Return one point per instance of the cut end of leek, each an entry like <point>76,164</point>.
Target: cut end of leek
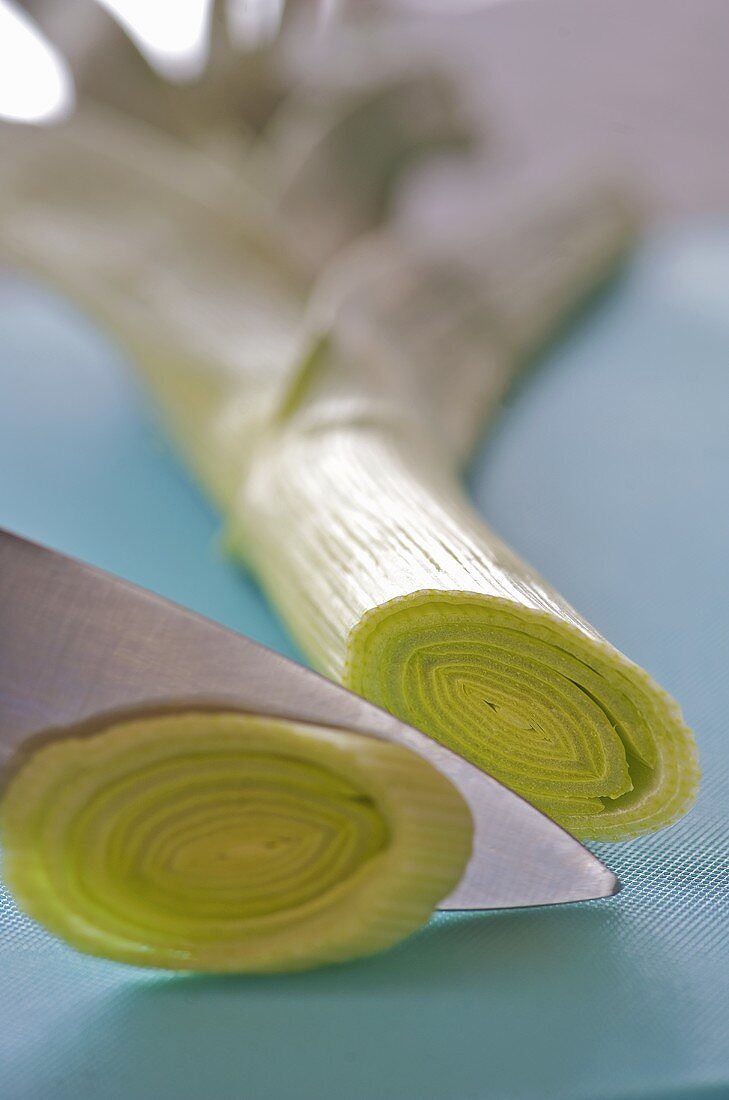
<point>564,720</point>
<point>227,842</point>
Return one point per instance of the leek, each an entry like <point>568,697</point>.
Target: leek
<point>224,842</point>
<point>332,442</point>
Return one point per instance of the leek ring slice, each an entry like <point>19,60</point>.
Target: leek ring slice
<point>230,842</point>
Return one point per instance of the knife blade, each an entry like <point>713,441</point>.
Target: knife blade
<point>76,642</point>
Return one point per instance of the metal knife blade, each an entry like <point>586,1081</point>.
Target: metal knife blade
<point>76,642</point>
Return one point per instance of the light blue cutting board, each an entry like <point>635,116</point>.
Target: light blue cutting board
<point>610,471</point>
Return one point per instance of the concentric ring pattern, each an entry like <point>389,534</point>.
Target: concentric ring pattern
<point>227,842</point>
<point>565,721</point>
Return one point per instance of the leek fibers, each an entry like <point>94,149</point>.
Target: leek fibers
<point>332,441</point>
<point>227,842</point>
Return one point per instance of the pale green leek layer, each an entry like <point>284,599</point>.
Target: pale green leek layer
<point>563,720</point>
<point>225,842</point>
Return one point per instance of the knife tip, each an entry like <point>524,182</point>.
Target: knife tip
<point>602,882</point>
<point>616,887</point>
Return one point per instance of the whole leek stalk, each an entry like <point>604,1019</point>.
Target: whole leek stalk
<point>332,444</point>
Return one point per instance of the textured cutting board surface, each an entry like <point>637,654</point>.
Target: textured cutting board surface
<point>609,470</point>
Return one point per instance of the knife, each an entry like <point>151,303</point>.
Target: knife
<point>76,643</point>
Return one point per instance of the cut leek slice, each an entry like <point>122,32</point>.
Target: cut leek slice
<point>226,842</point>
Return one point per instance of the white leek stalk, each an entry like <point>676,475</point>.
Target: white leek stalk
<point>333,448</point>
